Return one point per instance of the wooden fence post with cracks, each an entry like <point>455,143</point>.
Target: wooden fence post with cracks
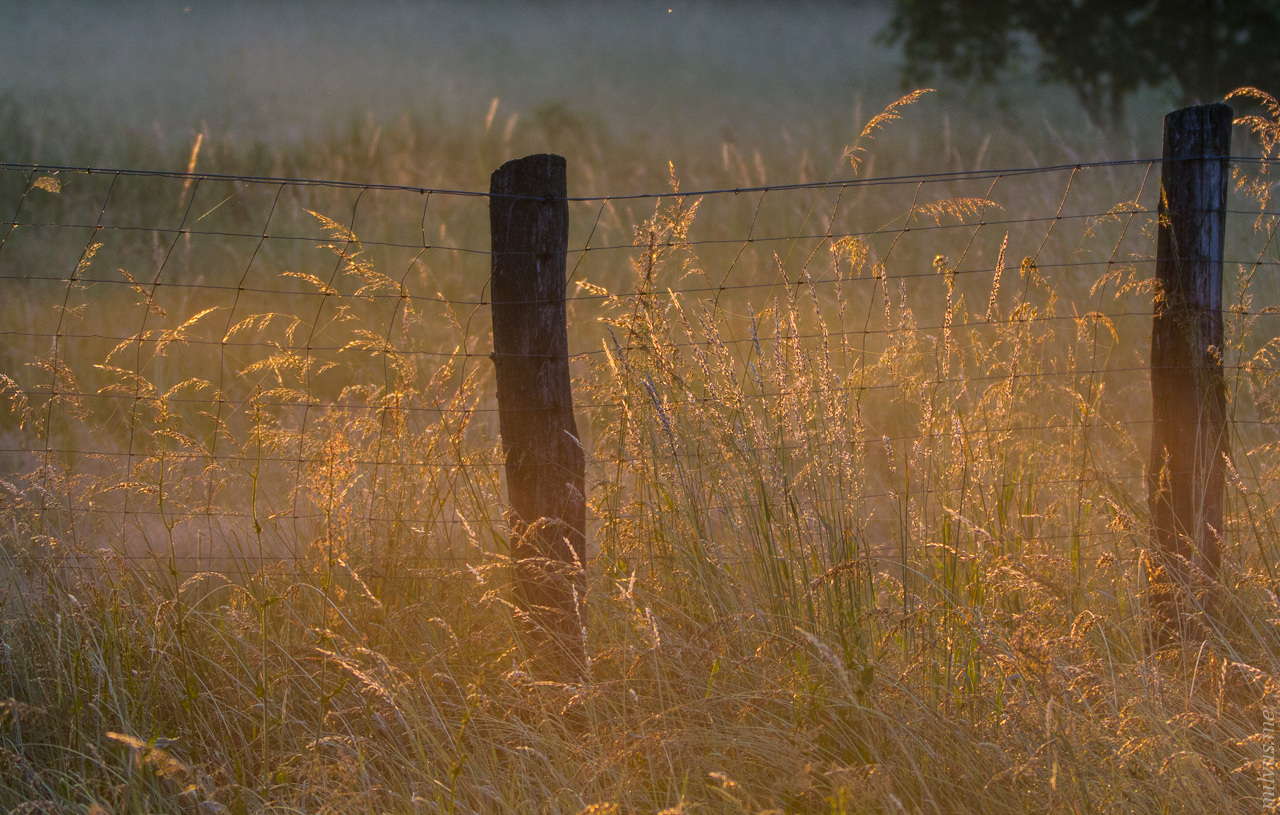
<point>545,462</point>
<point>1186,478</point>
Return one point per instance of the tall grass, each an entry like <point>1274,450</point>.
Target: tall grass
<point>868,517</point>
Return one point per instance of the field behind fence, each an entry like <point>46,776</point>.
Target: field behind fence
<point>887,413</point>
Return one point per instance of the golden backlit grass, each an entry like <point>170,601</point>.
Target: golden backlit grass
<point>867,535</point>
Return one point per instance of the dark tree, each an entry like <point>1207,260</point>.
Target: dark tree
<point>1103,49</point>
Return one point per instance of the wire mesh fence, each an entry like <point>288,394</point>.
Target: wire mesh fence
<point>231,374</point>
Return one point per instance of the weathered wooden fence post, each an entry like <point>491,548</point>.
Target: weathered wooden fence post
<point>1188,394</point>
<point>545,463</point>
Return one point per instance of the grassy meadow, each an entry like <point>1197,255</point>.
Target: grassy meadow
<point>867,509</point>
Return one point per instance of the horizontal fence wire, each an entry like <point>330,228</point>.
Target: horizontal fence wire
<point>198,366</point>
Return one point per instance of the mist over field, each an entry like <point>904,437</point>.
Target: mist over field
<point>129,83</point>
<point>286,72</point>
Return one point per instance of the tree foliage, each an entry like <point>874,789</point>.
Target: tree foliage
<point>1103,49</point>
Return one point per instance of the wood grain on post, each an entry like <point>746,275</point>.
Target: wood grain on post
<point>1188,393</point>
<point>545,463</point>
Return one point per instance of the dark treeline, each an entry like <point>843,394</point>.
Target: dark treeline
<point>1104,50</point>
